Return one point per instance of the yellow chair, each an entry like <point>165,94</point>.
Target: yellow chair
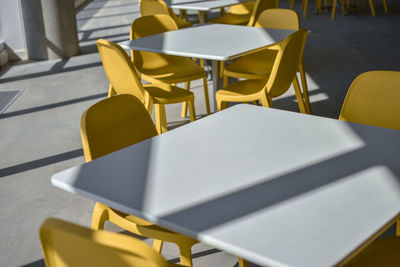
<point>373,98</point>
<point>245,13</point>
<point>166,69</point>
<point>237,14</point>
<point>152,7</point>
<point>66,244</point>
<point>370,3</point>
<point>261,5</point>
<point>304,6</point>
<point>281,75</point>
<point>382,252</point>
<point>124,80</point>
<point>257,65</point>
<point>110,125</point>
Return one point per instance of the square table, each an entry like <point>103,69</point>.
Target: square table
<point>203,6</point>
<point>277,188</point>
<point>216,42</point>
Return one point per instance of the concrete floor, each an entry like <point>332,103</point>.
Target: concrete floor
<point>40,136</point>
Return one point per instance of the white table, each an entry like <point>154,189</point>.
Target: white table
<point>274,187</point>
<point>216,42</point>
<point>202,6</point>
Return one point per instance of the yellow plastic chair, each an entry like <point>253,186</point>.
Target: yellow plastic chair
<point>152,7</point>
<point>373,98</point>
<point>124,80</point>
<point>370,3</point>
<point>166,69</point>
<point>382,252</point>
<point>304,6</point>
<point>258,65</point>
<point>237,14</point>
<point>281,75</point>
<point>245,13</point>
<point>110,125</point>
<point>261,5</point>
<point>66,244</point>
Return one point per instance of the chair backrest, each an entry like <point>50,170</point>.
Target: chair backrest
<point>151,7</point>
<point>259,7</point>
<point>373,98</point>
<point>67,244</point>
<point>119,69</point>
<point>286,63</point>
<point>278,18</point>
<point>114,123</point>
<point>150,25</point>
<point>242,8</point>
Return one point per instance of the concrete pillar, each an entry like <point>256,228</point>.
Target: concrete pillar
<point>50,28</point>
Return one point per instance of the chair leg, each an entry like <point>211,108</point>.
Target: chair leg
<point>334,9</point>
<point>342,4</point>
<point>157,245</point>
<point>161,122</point>
<point>305,8</point>
<point>319,6</point>
<point>99,217</point>
<point>371,6</point>
<point>192,110</point>
<point>207,98</point>
<point>200,15</point>
<point>202,63</point>
<point>225,80</point>
<point>221,71</point>
<point>266,101</point>
<point>385,6</point>
<point>185,255</point>
<point>305,87</point>
<point>148,102</point>
<point>111,91</point>
<point>299,96</point>
<point>184,104</point>
<point>292,4</point>
<point>221,105</point>
<point>243,263</point>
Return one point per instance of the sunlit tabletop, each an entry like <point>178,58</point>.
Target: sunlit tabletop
<point>275,187</point>
<point>204,5</point>
<point>209,41</point>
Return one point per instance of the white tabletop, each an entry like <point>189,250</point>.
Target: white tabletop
<point>277,188</point>
<point>209,41</point>
<point>204,5</point>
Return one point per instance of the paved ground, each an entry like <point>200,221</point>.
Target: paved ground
<point>39,132</point>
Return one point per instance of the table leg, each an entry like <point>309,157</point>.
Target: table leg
<point>216,82</point>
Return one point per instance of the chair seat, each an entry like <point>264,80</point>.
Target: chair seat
<point>171,70</point>
<point>168,94</point>
<point>382,252</point>
<point>254,66</point>
<point>241,91</point>
<point>146,228</point>
<point>182,23</point>
<point>235,19</point>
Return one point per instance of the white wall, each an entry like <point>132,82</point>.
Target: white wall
<point>11,29</point>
